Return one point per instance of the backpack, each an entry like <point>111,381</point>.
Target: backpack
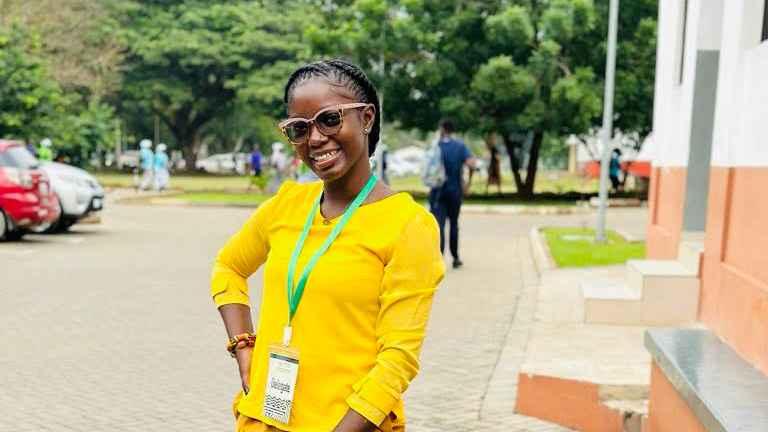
<point>434,169</point>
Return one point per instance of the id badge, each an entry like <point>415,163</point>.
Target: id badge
<point>281,382</point>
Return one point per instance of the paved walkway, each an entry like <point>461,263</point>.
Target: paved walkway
<point>111,327</point>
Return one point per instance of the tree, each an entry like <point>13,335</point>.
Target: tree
<point>522,68</point>
<point>77,39</point>
<point>189,61</point>
<point>29,99</point>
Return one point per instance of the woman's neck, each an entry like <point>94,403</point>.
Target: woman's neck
<point>345,189</point>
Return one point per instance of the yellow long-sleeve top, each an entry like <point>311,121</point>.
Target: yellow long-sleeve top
<point>361,322</point>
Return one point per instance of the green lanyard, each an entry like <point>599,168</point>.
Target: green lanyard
<point>294,296</point>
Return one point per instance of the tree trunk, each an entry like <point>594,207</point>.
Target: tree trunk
<point>190,145</point>
<point>533,165</point>
<point>514,162</point>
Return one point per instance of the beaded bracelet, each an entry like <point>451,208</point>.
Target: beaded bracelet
<point>240,341</point>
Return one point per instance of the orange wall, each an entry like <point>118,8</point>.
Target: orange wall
<point>667,412</point>
<point>734,297</point>
<point>666,201</point>
<point>569,403</point>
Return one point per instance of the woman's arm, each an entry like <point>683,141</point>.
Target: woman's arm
<point>237,320</point>
<point>240,257</point>
<point>410,279</point>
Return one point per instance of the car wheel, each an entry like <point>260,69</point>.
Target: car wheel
<point>65,224</point>
<point>15,235</point>
<point>3,226</point>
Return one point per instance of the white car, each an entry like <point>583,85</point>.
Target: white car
<point>79,193</point>
<point>224,163</point>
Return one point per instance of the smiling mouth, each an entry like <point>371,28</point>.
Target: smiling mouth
<point>322,160</point>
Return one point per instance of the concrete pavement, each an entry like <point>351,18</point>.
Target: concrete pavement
<point>111,327</point>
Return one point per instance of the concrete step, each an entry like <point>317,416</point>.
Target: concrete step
<point>655,293</point>
<point>690,253</point>
<point>585,377</point>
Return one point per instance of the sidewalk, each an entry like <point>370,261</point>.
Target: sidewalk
<point>477,336</point>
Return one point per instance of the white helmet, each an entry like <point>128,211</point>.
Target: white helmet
<point>46,142</point>
<point>161,147</point>
<point>145,143</point>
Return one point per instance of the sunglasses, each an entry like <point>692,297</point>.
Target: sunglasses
<point>328,122</point>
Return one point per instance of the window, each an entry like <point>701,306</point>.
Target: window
<point>765,22</point>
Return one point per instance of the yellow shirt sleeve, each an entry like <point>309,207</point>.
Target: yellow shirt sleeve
<point>240,257</point>
<point>410,279</point>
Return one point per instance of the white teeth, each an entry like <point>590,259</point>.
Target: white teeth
<point>324,156</point>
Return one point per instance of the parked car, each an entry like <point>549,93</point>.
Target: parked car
<point>406,161</point>
<point>224,163</point>
<point>79,194</point>
<point>27,200</point>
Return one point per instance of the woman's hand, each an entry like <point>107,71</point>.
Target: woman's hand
<point>243,357</point>
<point>237,320</point>
<point>354,422</point>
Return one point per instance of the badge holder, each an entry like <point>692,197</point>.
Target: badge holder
<point>281,379</point>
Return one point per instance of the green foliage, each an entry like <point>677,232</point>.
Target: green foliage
<point>29,99</point>
<point>511,67</point>
<point>191,61</point>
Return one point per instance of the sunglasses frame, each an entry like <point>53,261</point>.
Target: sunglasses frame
<point>283,125</point>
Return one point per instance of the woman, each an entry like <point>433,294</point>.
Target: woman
<point>364,295</point>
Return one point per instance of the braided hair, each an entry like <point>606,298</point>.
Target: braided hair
<point>345,74</point>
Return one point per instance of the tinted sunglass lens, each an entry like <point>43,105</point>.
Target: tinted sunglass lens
<point>329,121</point>
<point>297,131</point>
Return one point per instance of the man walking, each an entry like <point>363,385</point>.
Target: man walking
<point>445,200</point>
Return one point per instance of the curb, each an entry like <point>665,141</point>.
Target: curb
<point>541,256</point>
<point>167,199</point>
<point>507,209</point>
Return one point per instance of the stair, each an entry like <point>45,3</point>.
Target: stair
<point>655,293</point>
<point>690,253</point>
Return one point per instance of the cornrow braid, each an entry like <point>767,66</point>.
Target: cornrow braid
<point>342,73</point>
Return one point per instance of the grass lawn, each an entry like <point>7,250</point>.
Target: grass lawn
<point>225,198</point>
<point>223,189</point>
<point>187,183</point>
<point>575,247</point>
<point>546,181</point>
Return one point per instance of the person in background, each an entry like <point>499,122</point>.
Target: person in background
<point>494,166</point>
<point>445,200</point>
<point>44,152</point>
<point>280,165</point>
<point>256,161</point>
<point>254,168</point>
<point>147,164</point>
<point>162,176</point>
<point>614,169</point>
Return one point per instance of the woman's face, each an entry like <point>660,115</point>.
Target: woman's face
<point>331,157</point>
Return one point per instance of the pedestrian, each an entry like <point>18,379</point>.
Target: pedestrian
<point>445,198</point>
<point>147,164</point>
<point>256,161</point>
<point>340,356</point>
<point>44,152</point>
<point>162,175</point>
<point>614,169</point>
<point>494,165</point>
<point>255,169</point>
<point>280,165</point>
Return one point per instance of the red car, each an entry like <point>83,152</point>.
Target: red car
<point>26,198</point>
